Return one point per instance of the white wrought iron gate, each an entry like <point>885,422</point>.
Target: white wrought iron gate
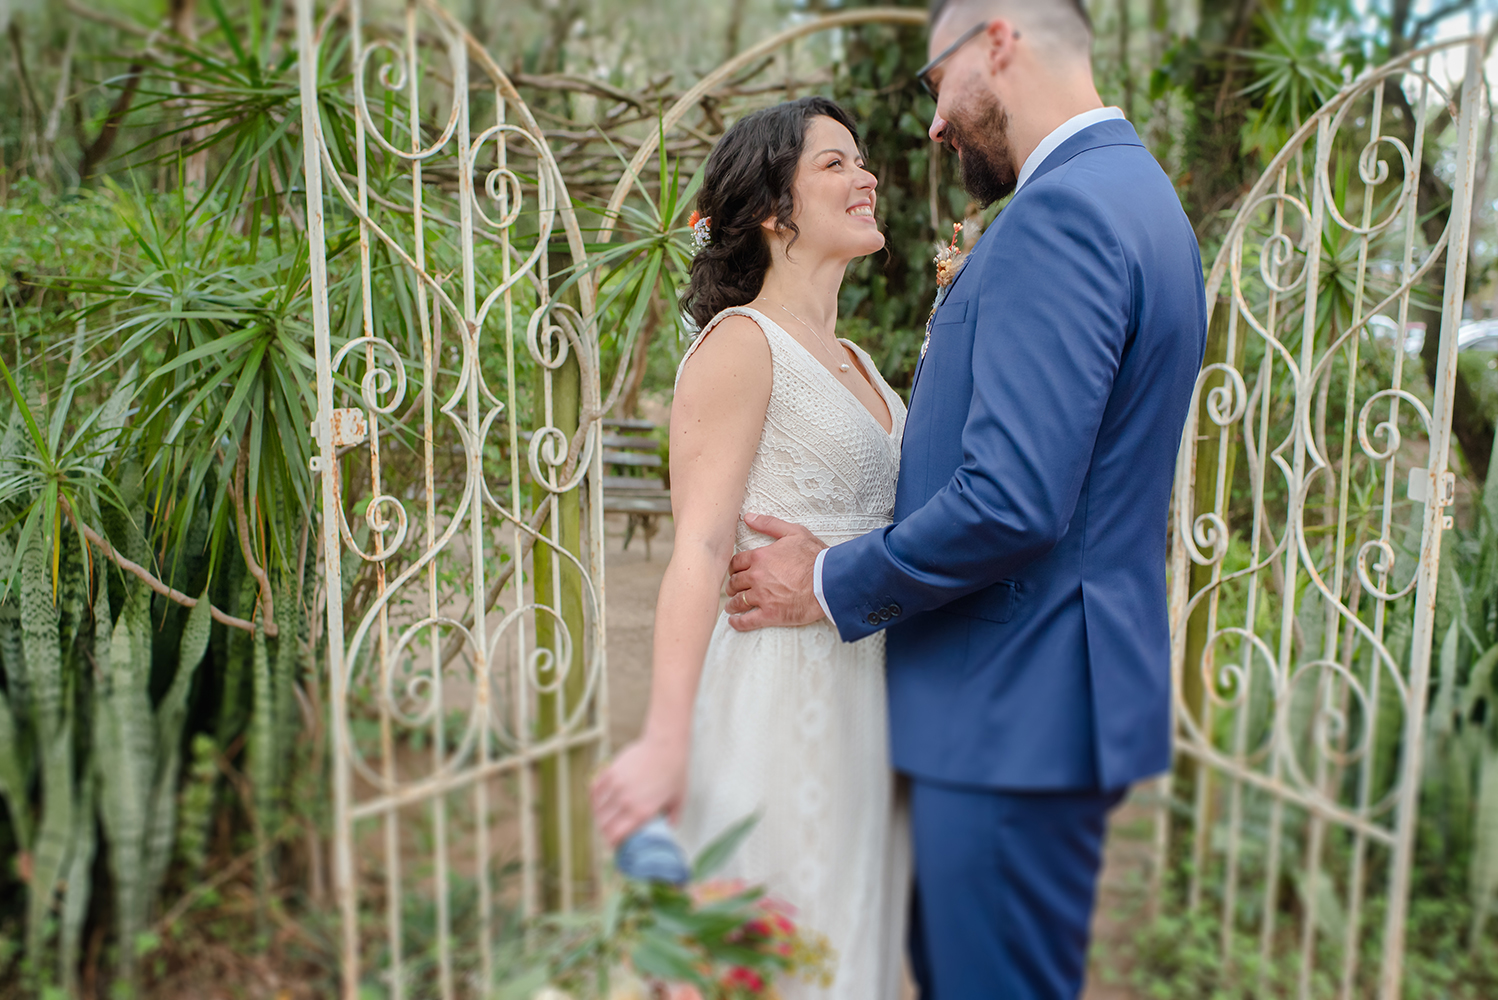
<point>463,406</point>
<point>1311,495</point>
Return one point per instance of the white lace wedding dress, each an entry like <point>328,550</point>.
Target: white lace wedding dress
<point>790,722</point>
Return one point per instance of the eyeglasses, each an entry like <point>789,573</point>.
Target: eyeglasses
<point>924,76</point>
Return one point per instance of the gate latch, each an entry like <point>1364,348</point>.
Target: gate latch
<point>1448,489</point>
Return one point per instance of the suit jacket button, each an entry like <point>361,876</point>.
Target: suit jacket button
<point>884,614</point>
<point>873,618</point>
<point>894,609</point>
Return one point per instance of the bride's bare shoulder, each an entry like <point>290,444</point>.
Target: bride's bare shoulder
<point>733,355</point>
<point>723,391</point>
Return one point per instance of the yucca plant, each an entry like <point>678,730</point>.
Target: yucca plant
<point>1292,76</point>
<point>165,470</point>
<point>81,741</point>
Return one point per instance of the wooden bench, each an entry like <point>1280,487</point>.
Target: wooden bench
<point>630,445</point>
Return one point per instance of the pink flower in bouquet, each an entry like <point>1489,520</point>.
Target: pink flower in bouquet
<point>739,978</point>
<point>717,890</point>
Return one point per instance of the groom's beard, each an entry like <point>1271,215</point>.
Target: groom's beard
<point>981,132</point>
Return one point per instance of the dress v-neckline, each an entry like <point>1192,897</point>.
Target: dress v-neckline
<point>863,362</point>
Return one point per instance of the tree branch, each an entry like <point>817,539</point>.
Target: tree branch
<point>577,84</point>
<point>1424,24</point>
<point>137,570</point>
<point>117,23</point>
<point>60,95</point>
<point>242,522</point>
<point>98,150</point>
<point>31,107</point>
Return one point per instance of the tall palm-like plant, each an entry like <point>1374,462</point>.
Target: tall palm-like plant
<point>1292,77</point>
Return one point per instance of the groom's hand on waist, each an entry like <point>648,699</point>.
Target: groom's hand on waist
<point>772,586</point>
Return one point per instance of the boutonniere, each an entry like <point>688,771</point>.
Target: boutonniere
<point>948,260</point>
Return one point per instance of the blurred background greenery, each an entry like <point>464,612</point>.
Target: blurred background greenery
<point>162,772</point>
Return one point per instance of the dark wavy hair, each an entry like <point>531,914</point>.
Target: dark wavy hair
<point>748,179</point>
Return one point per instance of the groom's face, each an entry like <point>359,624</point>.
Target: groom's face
<point>970,120</point>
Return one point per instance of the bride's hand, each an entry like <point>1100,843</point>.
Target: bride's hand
<point>647,778</point>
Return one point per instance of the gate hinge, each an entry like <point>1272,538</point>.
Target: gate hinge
<point>349,427</point>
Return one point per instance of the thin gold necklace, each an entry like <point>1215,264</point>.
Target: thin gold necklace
<point>841,365</point>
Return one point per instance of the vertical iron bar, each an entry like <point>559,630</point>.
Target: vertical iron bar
<point>1294,528</point>
<point>1262,387</point>
<point>1384,569</point>
<point>388,769</point>
<point>1392,970</point>
<point>343,868</point>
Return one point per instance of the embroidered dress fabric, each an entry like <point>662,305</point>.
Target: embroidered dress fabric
<point>790,723</point>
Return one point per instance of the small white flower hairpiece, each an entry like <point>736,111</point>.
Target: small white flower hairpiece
<point>701,231</point>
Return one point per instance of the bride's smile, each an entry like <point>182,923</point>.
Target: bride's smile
<point>834,197</point>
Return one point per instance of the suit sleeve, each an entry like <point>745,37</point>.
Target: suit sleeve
<point>1054,308</point>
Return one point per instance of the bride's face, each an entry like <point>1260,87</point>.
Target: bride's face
<point>834,195</point>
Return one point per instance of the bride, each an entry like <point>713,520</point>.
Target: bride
<point>773,414</point>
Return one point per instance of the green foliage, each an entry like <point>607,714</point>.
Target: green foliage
<point>1180,957</point>
<point>887,298</point>
<point>98,678</point>
<point>1292,77</point>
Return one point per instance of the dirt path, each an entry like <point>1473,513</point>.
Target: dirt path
<point>632,585</point>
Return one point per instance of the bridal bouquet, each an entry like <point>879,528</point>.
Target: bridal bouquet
<point>712,939</point>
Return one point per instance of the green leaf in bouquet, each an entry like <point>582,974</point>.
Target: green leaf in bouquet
<point>715,855</point>
<point>708,924</point>
<point>742,903</point>
<point>749,958</point>
<point>662,956</point>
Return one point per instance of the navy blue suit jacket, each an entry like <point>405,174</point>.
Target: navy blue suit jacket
<point>1023,580</point>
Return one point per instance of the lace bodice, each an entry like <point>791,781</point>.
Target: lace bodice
<point>824,461</point>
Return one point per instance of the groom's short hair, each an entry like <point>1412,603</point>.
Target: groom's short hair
<point>1063,23</point>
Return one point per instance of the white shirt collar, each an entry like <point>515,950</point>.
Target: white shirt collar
<point>1065,131</point>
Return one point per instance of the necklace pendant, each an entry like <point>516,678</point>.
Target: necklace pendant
<point>846,368</point>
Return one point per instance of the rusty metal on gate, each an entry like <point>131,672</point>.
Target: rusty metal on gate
<point>1312,491</point>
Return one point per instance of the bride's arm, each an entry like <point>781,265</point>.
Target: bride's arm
<point>716,421</point>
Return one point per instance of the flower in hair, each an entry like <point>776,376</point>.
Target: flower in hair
<point>701,230</point>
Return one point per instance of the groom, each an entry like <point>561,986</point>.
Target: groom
<point>1022,584</point>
